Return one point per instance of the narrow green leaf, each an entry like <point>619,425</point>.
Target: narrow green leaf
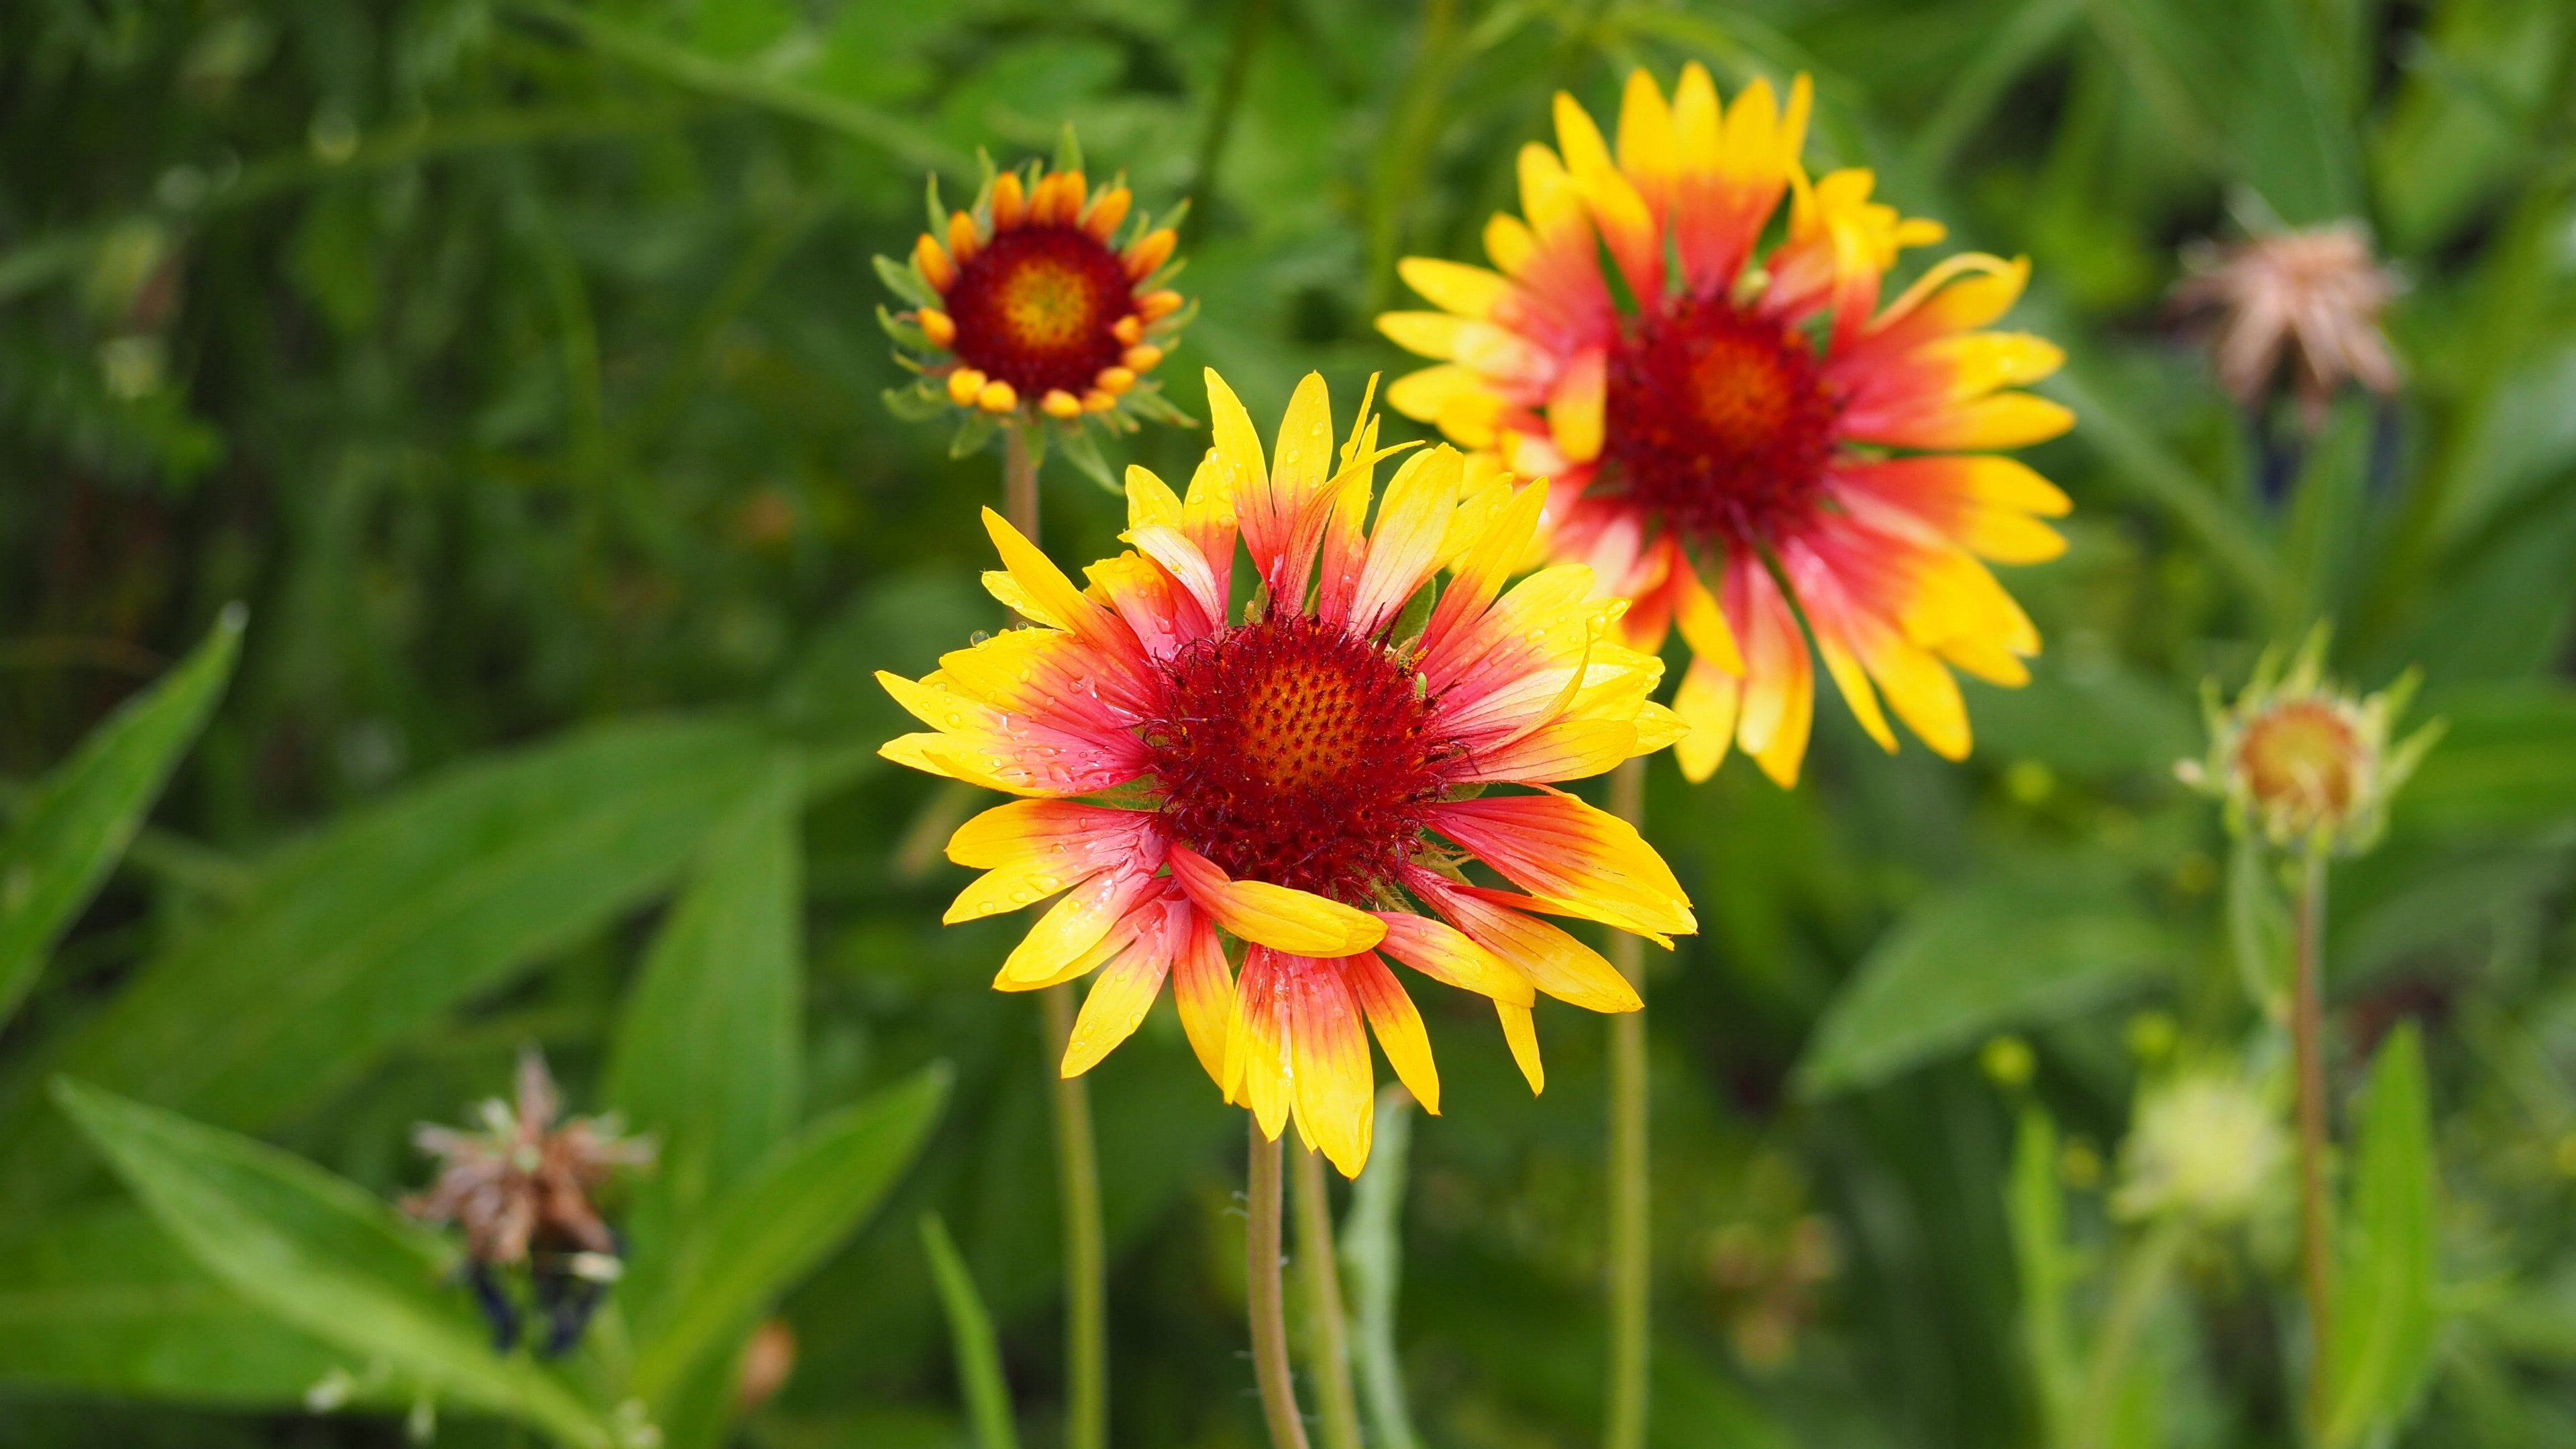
<point>2385,1317</point>
<point>102,1302</point>
<point>799,1203</point>
<point>707,1058</point>
<point>970,1329</point>
<point>2506,766</point>
<point>365,934</point>
<point>321,1254</point>
<point>83,814</point>
<point>1971,960</point>
<point>1372,1253</point>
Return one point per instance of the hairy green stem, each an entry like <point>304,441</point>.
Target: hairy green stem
<point>1630,1302</point>
<point>2307,1032</point>
<point>1373,1250</point>
<point>1328,1358</point>
<point>1264,1298</point>
<point>1077,1156</point>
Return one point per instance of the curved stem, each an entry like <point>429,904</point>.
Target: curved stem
<point>1263,1295</point>
<point>1328,1358</point>
<point>2307,1031</point>
<point>1077,1156</point>
<point>1630,1303</point>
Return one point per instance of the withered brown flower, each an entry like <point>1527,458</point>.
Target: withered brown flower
<point>523,1181</point>
<point>2309,298</point>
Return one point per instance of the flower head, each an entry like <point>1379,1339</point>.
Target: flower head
<point>522,1180</point>
<point>2302,760</point>
<point>2309,298</point>
<point>521,1187</point>
<point>1305,776</point>
<point>1048,299</point>
<point>2206,1145</point>
<point>1757,440</point>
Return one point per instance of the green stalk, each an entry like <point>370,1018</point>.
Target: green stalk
<point>1077,1156</point>
<point>1630,1344</point>
<point>2307,1032</point>
<point>1328,1357</point>
<point>1373,1249</point>
<point>1264,1298</point>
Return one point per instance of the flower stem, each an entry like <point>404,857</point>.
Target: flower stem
<point>1077,1157</point>
<point>1263,1295</point>
<point>1630,1346</point>
<point>1328,1358</point>
<point>1373,1240</point>
<point>1077,1161</point>
<point>2307,1030</point>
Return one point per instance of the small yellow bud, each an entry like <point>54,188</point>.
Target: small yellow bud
<point>1115,380</point>
<point>1060,404</point>
<point>997,397</point>
<point>963,385</point>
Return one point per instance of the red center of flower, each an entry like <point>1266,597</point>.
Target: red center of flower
<point>1035,305</point>
<point>2301,755</point>
<point>1296,753</point>
<point>1719,423</point>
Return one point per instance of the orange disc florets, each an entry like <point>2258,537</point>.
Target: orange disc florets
<point>1297,753</point>
<point>2301,757</point>
<point>1720,423</point>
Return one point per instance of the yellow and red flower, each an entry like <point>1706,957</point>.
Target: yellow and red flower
<point>1048,299</point>
<point>1740,443</point>
<point>1308,777</point>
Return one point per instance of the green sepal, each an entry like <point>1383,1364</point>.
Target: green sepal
<point>1414,617</point>
<point>973,433</point>
<point>938,208</point>
<point>906,281</point>
<point>1068,150</point>
<point>918,403</point>
<point>1083,451</point>
<point>909,334</point>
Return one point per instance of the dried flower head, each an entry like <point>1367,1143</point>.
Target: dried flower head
<point>1047,301</point>
<point>522,1180</point>
<point>2302,760</point>
<point>2207,1144</point>
<point>521,1187</point>
<point>2310,299</point>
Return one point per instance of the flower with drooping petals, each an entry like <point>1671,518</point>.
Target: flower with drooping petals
<point>1307,777</point>
<point>2303,761</point>
<point>522,1189</point>
<point>1048,299</point>
<point>1739,443</point>
<point>2309,299</point>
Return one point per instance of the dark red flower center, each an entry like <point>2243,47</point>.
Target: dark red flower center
<point>1719,423</point>
<point>1035,306</point>
<point>1297,753</point>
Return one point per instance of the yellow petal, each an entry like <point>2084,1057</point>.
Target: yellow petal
<point>1445,954</point>
<point>1117,1002</point>
<point>1044,586</point>
<point>1455,287</point>
<point>1303,457</point>
<point>1646,147</point>
<point>1150,501</point>
<point>1574,406</point>
<point>1421,395</point>
<point>1509,242</point>
<point>1522,1034</point>
<point>1703,623</point>
<point>1068,930</point>
<point>1298,922</point>
<point>1237,453</point>
<point>1980,362</point>
<point>1696,121</point>
<point>1398,1024</point>
<point>1706,702</point>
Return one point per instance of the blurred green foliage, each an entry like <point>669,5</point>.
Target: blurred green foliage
<point>516,365</point>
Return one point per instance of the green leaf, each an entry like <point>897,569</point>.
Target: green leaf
<point>104,1303</point>
<point>707,1057</point>
<point>2385,1317</point>
<point>1082,449</point>
<point>370,931</point>
<point>970,1329</point>
<point>2507,765</point>
<point>321,1254</point>
<point>799,1203</point>
<point>81,817</point>
<point>906,281</point>
<point>1973,959</point>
